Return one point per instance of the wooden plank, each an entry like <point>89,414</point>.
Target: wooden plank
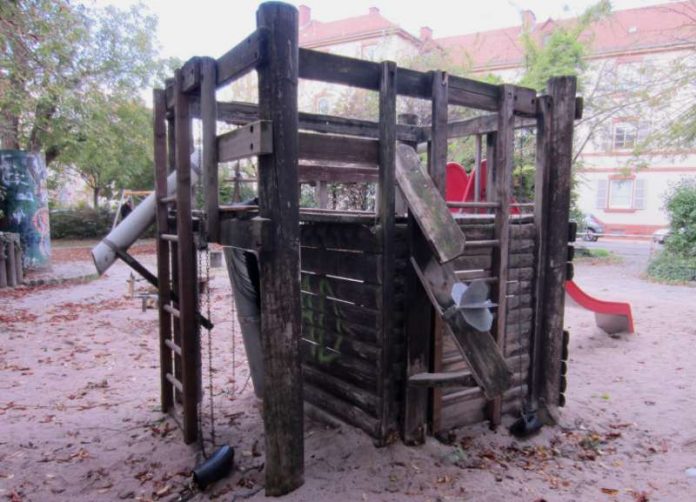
<point>351,369</point>
<point>358,266</point>
<point>366,295</point>
<point>479,349</point>
<point>416,84</point>
<point>241,113</point>
<point>340,236</point>
<point>325,67</point>
<point>419,329</point>
<point>283,415</point>
<point>476,125</point>
<point>338,148</point>
<point>437,158</point>
<point>443,379</point>
<point>428,206</point>
<point>341,409</point>
<point>473,94</point>
<point>555,179</point>
<point>242,58</point>
<point>163,271</point>
<point>346,391</point>
<point>502,177</point>
<point>340,342</point>
<point>337,174</point>
<point>246,141</point>
<point>329,321</point>
<point>191,75</point>
<point>187,282</point>
<point>359,321</point>
<point>210,148</point>
<point>386,204</point>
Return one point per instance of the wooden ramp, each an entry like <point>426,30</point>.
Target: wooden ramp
<point>445,242</point>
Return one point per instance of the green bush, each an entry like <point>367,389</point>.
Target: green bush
<point>671,267</point>
<point>680,202</point>
<point>80,223</point>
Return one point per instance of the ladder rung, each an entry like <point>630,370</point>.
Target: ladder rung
<point>173,311</point>
<point>483,243</point>
<point>169,237</point>
<point>168,199</point>
<point>176,383</point>
<point>173,346</point>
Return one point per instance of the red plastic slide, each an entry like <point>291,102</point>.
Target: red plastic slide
<point>612,317</point>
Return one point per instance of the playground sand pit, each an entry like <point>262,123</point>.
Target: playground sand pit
<point>79,416</point>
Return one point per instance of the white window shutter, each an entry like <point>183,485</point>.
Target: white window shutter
<point>639,195</point>
<point>602,189</point>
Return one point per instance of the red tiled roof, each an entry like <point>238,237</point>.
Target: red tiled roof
<point>625,31</point>
<point>318,33</point>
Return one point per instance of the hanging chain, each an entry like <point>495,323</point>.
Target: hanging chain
<point>210,345</point>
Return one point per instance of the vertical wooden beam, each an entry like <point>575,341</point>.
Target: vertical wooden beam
<point>209,166</point>
<point>187,282</point>
<point>163,271</point>
<point>322,194</point>
<point>437,166</point>
<point>387,188</point>
<point>419,327</point>
<point>3,264</point>
<point>279,260</point>
<point>491,139</point>
<point>502,179</point>
<point>400,205</point>
<point>553,215</point>
<point>438,143</point>
<point>477,167</point>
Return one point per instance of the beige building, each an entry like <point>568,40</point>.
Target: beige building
<point>630,49</point>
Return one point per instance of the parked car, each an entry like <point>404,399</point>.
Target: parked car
<point>592,230</point>
<point>660,235</point>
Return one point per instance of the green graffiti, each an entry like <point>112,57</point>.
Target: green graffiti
<point>318,349</point>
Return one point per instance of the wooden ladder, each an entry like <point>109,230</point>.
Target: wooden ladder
<point>179,320</point>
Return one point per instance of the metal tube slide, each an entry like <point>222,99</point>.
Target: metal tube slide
<point>136,223</point>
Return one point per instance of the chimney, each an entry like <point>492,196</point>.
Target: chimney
<point>374,11</point>
<point>305,15</point>
<point>528,20</point>
<point>426,34</point>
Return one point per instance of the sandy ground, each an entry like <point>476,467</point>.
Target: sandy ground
<point>79,415</point>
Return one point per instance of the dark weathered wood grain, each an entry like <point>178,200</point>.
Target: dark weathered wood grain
<point>279,265</point>
<point>428,206</point>
<point>246,141</point>
<point>209,162</point>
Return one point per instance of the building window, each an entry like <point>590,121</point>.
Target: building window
<point>621,193</point>
<point>627,135</point>
<point>624,136</point>
<point>323,106</point>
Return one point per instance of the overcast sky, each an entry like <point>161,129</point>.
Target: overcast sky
<point>211,27</point>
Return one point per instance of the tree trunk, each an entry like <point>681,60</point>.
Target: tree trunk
<point>95,197</point>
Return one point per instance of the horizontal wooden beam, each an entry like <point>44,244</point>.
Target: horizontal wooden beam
<point>337,174</point>
<point>240,113</point>
<point>338,148</point>
<point>249,140</point>
<point>242,58</point>
<point>445,379</point>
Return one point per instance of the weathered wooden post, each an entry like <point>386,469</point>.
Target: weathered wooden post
<point>552,210</point>
<point>387,189</point>
<point>279,259</point>
<point>3,263</point>
<point>19,264</point>
<point>501,170</point>
<point>11,263</point>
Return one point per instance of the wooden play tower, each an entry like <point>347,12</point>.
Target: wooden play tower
<point>356,313</point>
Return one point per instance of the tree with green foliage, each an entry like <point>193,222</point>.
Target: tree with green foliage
<point>70,85</point>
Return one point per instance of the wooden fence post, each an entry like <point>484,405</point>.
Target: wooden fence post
<point>552,210</point>
<point>279,260</point>
<point>387,188</point>
<point>502,178</point>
